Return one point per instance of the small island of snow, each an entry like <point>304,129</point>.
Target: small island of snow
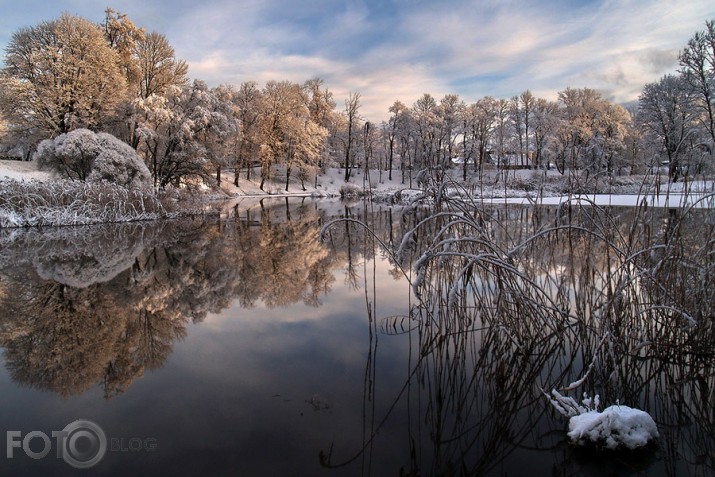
<point>617,426</point>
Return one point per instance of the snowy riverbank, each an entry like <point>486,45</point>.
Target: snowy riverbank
<point>21,180</point>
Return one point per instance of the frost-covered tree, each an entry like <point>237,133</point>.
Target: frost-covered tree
<point>123,36</point>
<point>182,134</point>
<point>117,162</point>
<point>352,123</point>
<point>155,72</point>
<point>667,117</point>
<point>249,101</point>
<point>159,67</point>
<point>58,76</point>
<point>478,126</point>
<point>428,130</point>
<point>502,127</point>
<point>288,134</point>
<point>394,126</point>
<point>449,110</point>
<point>282,100</point>
<point>526,110</point>
<point>322,109</point>
<point>543,123</point>
<point>698,67</point>
<point>84,155</point>
<point>595,129</point>
<point>306,145</point>
<point>484,116</point>
<point>320,102</point>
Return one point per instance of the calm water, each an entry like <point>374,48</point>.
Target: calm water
<point>245,346</point>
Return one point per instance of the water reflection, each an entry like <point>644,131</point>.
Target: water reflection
<point>88,305</point>
<point>312,356</point>
<point>514,301</point>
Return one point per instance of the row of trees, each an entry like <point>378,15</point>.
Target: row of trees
<point>69,73</point>
<point>677,114</point>
<point>671,123</point>
<point>581,130</point>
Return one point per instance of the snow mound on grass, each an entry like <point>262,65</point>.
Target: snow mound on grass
<point>22,170</point>
<point>617,426</point>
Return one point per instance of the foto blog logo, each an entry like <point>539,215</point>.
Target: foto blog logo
<point>81,444</point>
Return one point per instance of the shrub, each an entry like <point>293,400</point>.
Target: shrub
<point>87,156</point>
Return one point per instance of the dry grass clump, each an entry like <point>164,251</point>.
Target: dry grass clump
<point>65,202</point>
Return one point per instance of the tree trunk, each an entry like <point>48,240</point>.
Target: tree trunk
<point>390,160</point>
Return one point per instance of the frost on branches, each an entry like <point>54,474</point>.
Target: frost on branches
<point>87,156</point>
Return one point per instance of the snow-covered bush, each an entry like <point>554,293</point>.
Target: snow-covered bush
<point>615,427</point>
<point>117,162</point>
<point>350,191</point>
<point>84,155</point>
<point>71,154</point>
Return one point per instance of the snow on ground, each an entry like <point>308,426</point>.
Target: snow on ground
<point>329,184</point>
<point>672,199</point>
<point>491,191</point>
<point>617,426</point>
<point>22,170</point>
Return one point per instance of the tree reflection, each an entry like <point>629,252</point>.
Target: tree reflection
<point>100,305</point>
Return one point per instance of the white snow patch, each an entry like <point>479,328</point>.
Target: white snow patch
<point>23,170</point>
<point>694,199</point>
<point>617,426</point>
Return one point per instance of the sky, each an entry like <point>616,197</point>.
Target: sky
<point>390,50</point>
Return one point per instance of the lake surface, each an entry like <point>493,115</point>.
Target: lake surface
<point>245,345</point>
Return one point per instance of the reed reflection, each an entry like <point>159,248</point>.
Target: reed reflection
<point>514,302</point>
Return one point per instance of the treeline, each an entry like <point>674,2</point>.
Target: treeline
<point>115,77</point>
<point>673,124</point>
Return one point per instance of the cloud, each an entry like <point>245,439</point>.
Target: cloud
<point>400,49</point>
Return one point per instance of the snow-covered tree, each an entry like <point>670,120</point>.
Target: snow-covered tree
<point>450,110</point>
<point>594,127</point>
<point>288,134</point>
<point>522,115</point>
<point>160,69</point>
<point>58,76</point>
<point>543,123</point>
<point>117,162</point>
<point>667,116</point>
<point>123,36</point>
<point>84,155</point>
<point>484,116</point>
<point>394,126</point>
<point>306,142</point>
<point>322,110</point>
<point>698,67</point>
<point>182,134</point>
<point>249,101</point>
<point>320,102</point>
<point>428,130</point>
<point>352,116</point>
<point>502,128</point>
<point>154,71</point>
